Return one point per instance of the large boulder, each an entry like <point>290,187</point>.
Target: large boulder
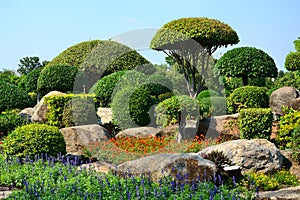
<point>79,137</point>
<point>252,155</point>
<point>284,96</point>
<point>105,115</point>
<point>41,109</point>
<point>26,114</point>
<point>292,193</point>
<point>141,132</point>
<point>224,124</point>
<point>174,165</point>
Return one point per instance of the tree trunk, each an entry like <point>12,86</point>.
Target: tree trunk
<point>245,80</point>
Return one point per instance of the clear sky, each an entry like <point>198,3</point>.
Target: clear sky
<point>46,28</point>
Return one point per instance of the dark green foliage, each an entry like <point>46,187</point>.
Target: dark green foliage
<point>207,32</point>
<point>255,123</point>
<point>213,106</point>
<point>9,76</point>
<point>288,79</point>
<point>12,97</point>
<point>131,107</point>
<point>169,111</point>
<point>27,64</point>
<point>246,62</point>
<point>104,88</point>
<point>76,54</point>
<point>296,144</point>
<point>79,111</point>
<point>56,77</point>
<point>206,94</point>
<point>158,84</point>
<point>219,158</point>
<point>297,44</point>
<point>9,121</point>
<point>31,79</point>
<point>247,97</point>
<point>287,124</point>
<point>33,139</point>
<point>292,61</point>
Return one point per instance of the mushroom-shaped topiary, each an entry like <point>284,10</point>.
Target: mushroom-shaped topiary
<point>292,60</point>
<point>246,62</point>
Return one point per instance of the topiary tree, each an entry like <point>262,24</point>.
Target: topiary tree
<point>246,62</point>
<point>292,60</point>
<point>12,97</point>
<point>33,139</point>
<point>190,42</point>
<point>31,79</point>
<point>247,97</point>
<point>56,77</point>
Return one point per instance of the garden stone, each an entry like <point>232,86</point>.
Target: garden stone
<point>99,166</point>
<point>105,115</point>
<point>284,96</point>
<point>141,132</point>
<point>26,114</point>
<point>292,193</point>
<point>252,155</point>
<point>213,126</point>
<point>41,109</point>
<point>79,137</point>
<point>180,166</point>
<point>293,166</point>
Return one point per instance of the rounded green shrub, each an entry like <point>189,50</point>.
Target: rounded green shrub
<point>296,144</point>
<point>8,122</point>
<point>31,80</point>
<point>104,88</point>
<point>206,94</point>
<point>213,106</point>
<point>33,139</point>
<point>169,110</point>
<point>79,111</point>
<point>56,77</point>
<point>158,84</point>
<point>247,97</point>
<point>292,61</point>
<point>12,97</point>
<point>131,107</point>
<point>255,123</point>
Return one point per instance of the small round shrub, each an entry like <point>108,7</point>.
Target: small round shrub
<point>247,97</point>
<point>169,111</point>
<point>130,107</point>
<point>104,88</point>
<point>79,111</point>
<point>212,106</point>
<point>12,97</point>
<point>31,80</point>
<point>296,144</point>
<point>292,61</point>
<point>33,139</point>
<point>8,122</point>
<point>255,123</point>
<point>206,94</point>
<point>158,84</point>
<point>56,77</point>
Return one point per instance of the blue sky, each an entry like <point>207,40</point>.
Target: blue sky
<point>46,28</point>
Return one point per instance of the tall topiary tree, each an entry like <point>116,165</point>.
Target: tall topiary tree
<point>247,62</point>
<point>292,60</point>
<point>190,42</point>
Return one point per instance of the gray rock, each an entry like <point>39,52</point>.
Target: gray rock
<point>284,97</point>
<point>252,155</point>
<point>292,193</point>
<point>160,165</point>
<point>26,114</point>
<point>41,109</point>
<point>140,132</point>
<point>79,137</point>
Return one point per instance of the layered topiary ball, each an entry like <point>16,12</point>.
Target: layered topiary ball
<point>33,139</point>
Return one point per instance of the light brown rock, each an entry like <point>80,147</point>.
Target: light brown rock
<point>140,132</point>
<point>78,137</point>
<point>292,193</point>
<point>99,166</point>
<point>161,165</point>
<point>105,115</point>
<point>41,109</point>
<point>252,155</point>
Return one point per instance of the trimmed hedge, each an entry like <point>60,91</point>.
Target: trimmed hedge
<point>12,97</point>
<point>56,77</point>
<point>31,80</point>
<point>247,97</point>
<point>33,139</point>
<point>255,123</point>
<point>169,111</point>
<point>8,122</point>
<point>56,106</point>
